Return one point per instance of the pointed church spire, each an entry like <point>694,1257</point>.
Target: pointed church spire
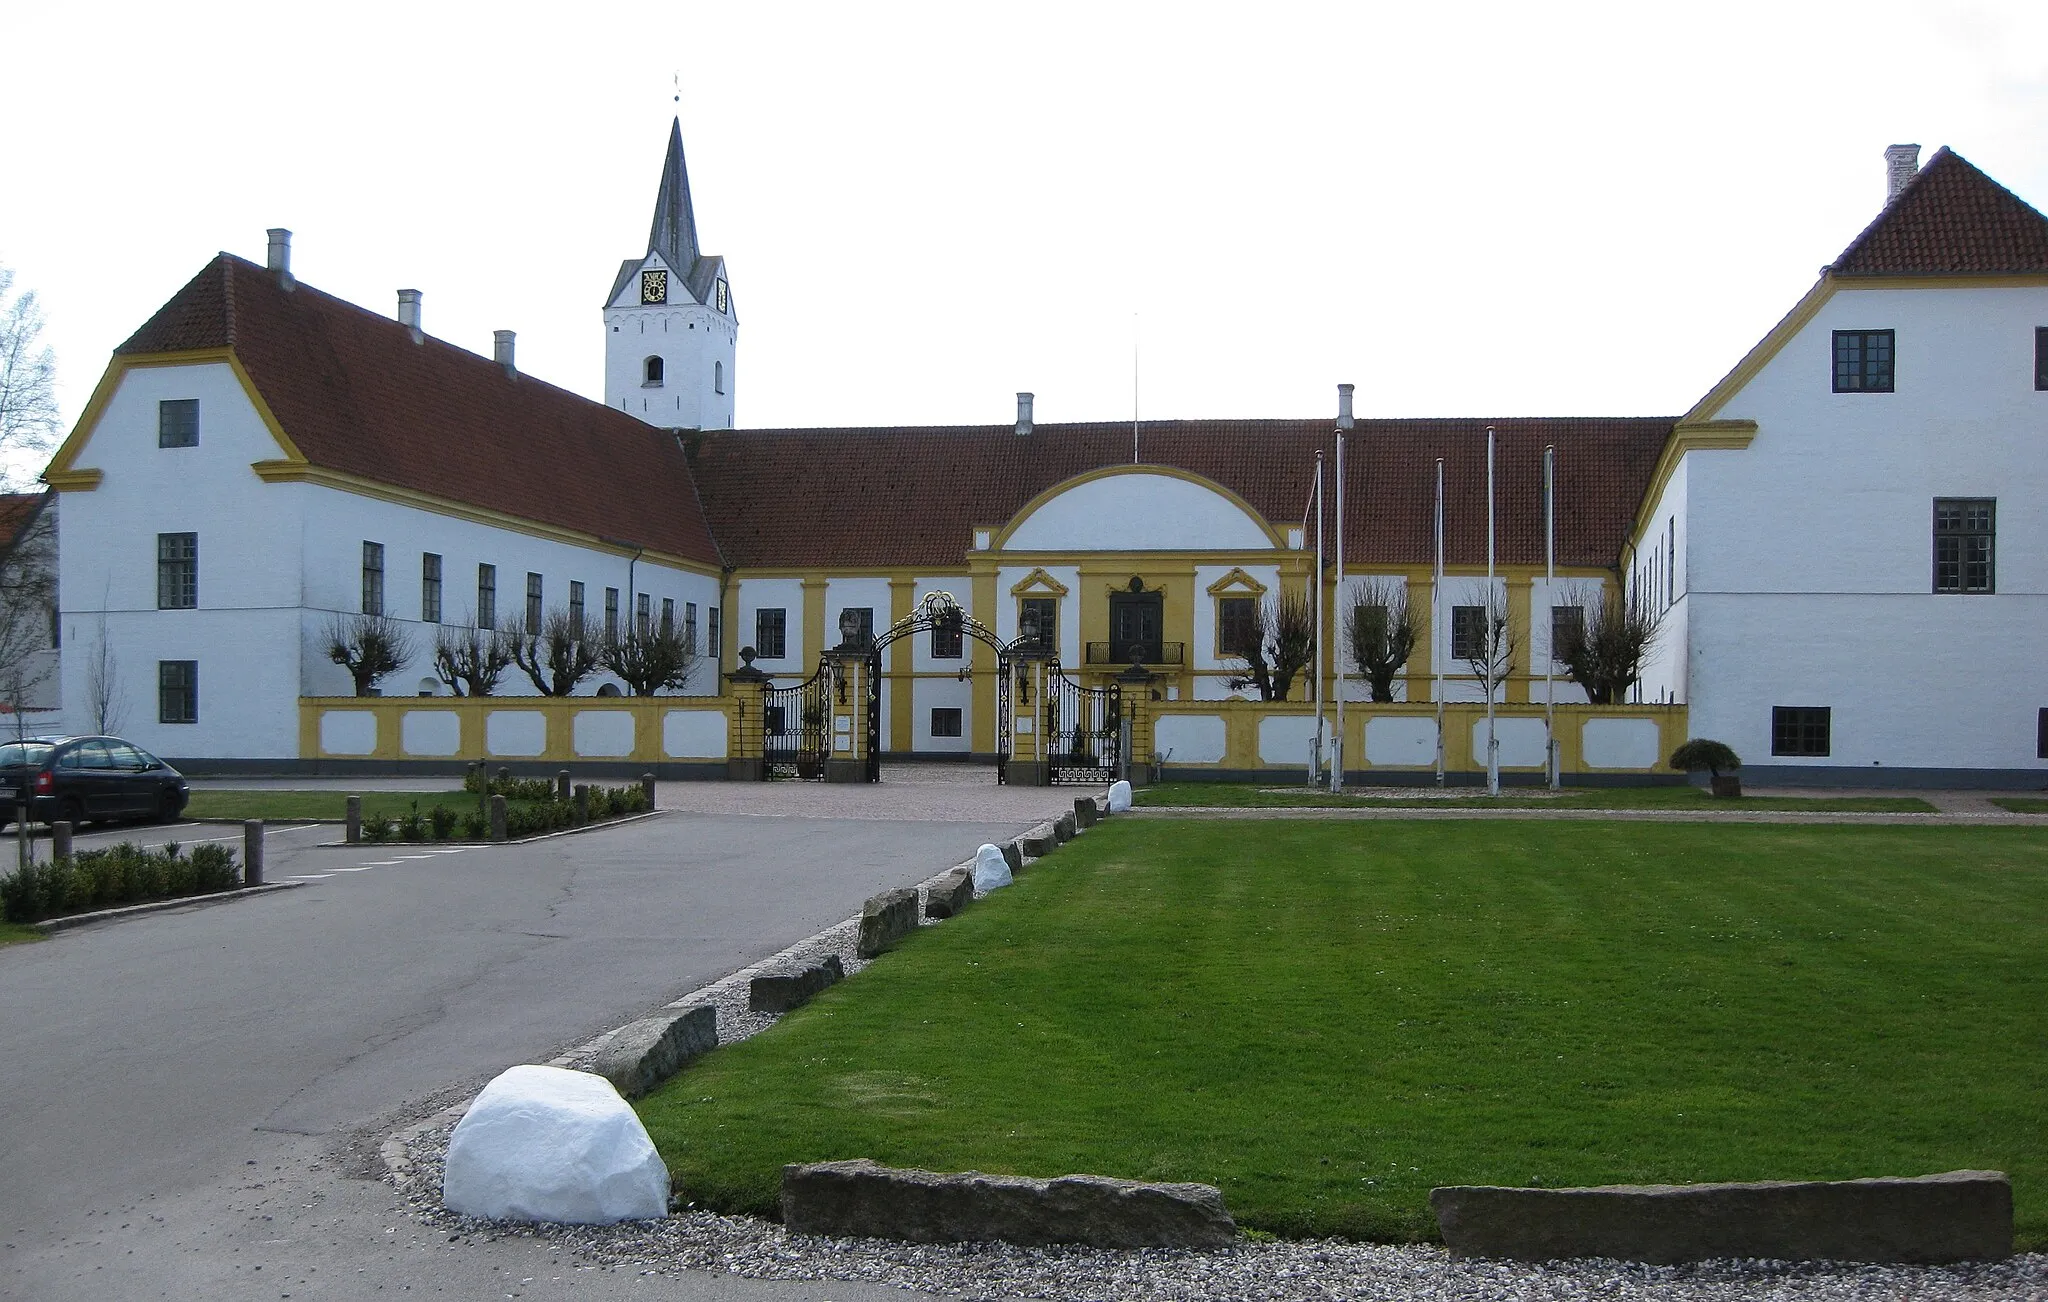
<point>674,234</point>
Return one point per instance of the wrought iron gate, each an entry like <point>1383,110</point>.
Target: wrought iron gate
<point>796,727</point>
<point>1082,728</point>
<point>938,610</point>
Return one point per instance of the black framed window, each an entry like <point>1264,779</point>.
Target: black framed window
<point>1468,632</point>
<point>2041,734</point>
<point>2041,357</point>
<point>533,602</point>
<point>486,596</point>
<point>1863,361</point>
<point>177,571</point>
<point>714,644</point>
<point>770,628</point>
<point>611,614</point>
<point>177,691</point>
<point>643,615</point>
<point>373,578</point>
<point>668,616</point>
<point>177,423</point>
<point>1237,626</point>
<point>1965,536</point>
<point>576,605</point>
<point>690,625</point>
<point>1567,630</point>
<point>1801,730</point>
<point>1043,614</point>
<point>651,373</point>
<point>430,588</point>
<point>946,721</point>
<point>947,642</point>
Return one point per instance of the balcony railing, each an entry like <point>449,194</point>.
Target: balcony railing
<point>1149,653</point>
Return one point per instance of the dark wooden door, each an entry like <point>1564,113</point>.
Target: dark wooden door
<point>1136,624</point>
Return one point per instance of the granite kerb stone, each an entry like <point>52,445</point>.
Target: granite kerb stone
<point>1085,811</point>
<point>952,892</point>
<point>1013,855</point>
<point>793,987</point>
<point>861,1199</point>
<point>1923,1220</point>
<point>1063,828</point>
<point>886,919</point>
<point>1038,842</point>
<point>641,1055</point>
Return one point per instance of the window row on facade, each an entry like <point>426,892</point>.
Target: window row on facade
<point>1865,360</point>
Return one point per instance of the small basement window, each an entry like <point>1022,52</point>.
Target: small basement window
<point>1801,730</point>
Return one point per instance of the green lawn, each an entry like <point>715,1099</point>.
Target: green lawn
<point>11,933</point>
<point>286,806</point>
<point>2021,804</point>
<point>1327,1019</point>
<point>1184,795</point>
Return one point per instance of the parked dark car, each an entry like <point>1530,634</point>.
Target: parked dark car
<point>87,780</point>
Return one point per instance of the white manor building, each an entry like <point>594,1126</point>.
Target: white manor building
<point>1843,539</point>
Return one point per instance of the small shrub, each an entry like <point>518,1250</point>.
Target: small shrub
<point>378,830</point>
<point>121,874</point>
<point>476,826</point>
<point>412,827</point>
<point>1701,753</point>
<point>442,820</point>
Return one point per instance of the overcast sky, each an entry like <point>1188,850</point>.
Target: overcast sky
<point>1466,209</point>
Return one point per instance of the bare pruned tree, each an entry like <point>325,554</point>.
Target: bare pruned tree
<point>28,598</point>
<point>28,378</point>
<point>371,647</point>
<point>1380,631</point>
<point>103,684</point>
<point>1282,644</point>
<point>1605,653</point>
<point>470,660</point>
<point>650,660</point>
<point>1490,650</point>
<point>559,654</point>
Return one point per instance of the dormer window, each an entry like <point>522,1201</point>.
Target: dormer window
<point>651,373</point>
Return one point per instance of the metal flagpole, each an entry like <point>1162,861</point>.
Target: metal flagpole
<point>1316,661</point>
<point>1493,633</point>
<point>1436,589</point>
<point>1550,602</point>
<point>1337,743</point>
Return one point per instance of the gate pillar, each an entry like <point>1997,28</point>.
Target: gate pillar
<point>1030,759</point>
<point>745,761</point>
<point>846,755</point>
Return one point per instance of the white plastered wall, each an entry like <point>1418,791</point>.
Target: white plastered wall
<point>756,595</point>
<point>1138,511</point>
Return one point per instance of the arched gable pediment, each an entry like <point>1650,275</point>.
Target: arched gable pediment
<point>1137,509</point>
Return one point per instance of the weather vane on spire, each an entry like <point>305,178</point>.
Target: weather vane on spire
<point>679,87</point>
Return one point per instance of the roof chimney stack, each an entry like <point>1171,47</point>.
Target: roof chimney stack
<point>409,312</point>
<point>1901,164</point>
<point>1023,413</point>
<point>1344,405</point>
<point>280,256</point>
<point>501,350</point>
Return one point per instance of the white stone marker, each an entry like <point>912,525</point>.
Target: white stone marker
<point>991,870</point>
<point>1119,797</point>
<point>549,1144</point>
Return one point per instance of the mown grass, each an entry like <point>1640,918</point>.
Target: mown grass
<point>11,934</point>
<point>287,806</point>
<point>1247,795</point>
<point>1328,1019</point>
<point>2021,804</point>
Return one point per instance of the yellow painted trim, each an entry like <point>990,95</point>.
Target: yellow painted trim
<point>64,467</point>
<point>1235,581</point>
<point>299,472</point>
<point>1941,282</point>
<point>1002,537</point>
<point>813,634</point>
<point>902,652</point>
<point>1768,347</point>
<point>1037,583</point>
<point>1690,436</point>
<point>73,481</point>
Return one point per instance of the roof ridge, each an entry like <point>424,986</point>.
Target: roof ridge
<point>1950,218</point>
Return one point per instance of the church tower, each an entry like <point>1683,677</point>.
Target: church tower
<point>669,322</point>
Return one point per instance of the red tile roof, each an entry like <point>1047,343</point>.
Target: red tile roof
<point>356,394</point>
<point>872,498</point>
<point>1950,220</point>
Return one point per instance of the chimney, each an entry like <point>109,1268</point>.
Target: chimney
<point>1901,164</point>
<point>1344,405</point>
<point>501,350</point>
<point>279,259</point>
<point>1023,413</point>
<point>409,312</point>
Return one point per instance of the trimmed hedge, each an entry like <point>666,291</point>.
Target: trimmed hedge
<point>123,874</point>
<point>537,815</point>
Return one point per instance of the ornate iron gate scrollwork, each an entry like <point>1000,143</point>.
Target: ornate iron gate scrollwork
<point>937,610</point>
<point>796,725</point>
<point>1082,728</point>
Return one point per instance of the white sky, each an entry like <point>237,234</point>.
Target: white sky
<point>1466,210</point>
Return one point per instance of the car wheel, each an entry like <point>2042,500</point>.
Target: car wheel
<point>168,807</point>
<point>69,810</point>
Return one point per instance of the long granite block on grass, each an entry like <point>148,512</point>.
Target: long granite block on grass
<point>860,1199</point>
<point>1955,1216</point>
<point>886,919</point>
<point>950,894</point>
<point>644,1054</point>
<point>779,992</point>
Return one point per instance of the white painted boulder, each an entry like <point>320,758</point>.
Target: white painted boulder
<point>1119,797</point>
<point>991,869</point>
<point>548,1144</point>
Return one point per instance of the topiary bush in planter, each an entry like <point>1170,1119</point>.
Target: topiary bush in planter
<point>1713,756</point>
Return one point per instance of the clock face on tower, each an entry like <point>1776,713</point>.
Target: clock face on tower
<point>724,300</point>
<point>654,287</point>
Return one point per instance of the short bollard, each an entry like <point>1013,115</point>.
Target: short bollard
<point>504,774</point>
<point>60,840</point>
<point>582,802</point>
<point>562,785</point>
<point>252,852</point>
<point>497,818</point>
<point>647,788</point>
<point>354,831</point>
